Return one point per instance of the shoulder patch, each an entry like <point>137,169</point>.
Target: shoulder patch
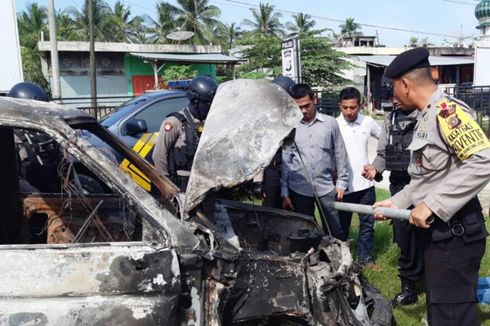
<point>168,126</point>
<point>461,132</point>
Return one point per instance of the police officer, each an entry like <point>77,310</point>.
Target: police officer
<point>38,154</point>
<point>393,155</point>
<point>180,132</point>
<point>271,183</point>
<point>450,156</point>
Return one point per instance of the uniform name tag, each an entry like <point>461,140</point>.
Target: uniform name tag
<point>462,133</point>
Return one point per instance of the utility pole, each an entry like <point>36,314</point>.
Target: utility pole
<point>55,65</point>
<point>93,72</point>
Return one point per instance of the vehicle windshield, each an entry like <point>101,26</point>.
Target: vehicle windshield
<point>122,111</point>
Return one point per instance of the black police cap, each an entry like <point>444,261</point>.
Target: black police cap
<point>408,61</point>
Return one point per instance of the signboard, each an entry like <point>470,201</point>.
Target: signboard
<point>291,59</point>
<point>482,65</point>
<point>11,64</point>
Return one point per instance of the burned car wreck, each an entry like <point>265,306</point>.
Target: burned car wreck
<point>132,257</point>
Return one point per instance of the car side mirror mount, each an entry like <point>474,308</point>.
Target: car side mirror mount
<point>135,126</point>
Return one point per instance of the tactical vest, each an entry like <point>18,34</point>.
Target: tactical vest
<point>180,158</point>
<point>400,136</point>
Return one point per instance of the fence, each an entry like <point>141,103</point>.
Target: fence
<point>478,98</point>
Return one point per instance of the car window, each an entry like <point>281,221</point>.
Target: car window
<point>122,111</point>
<point>155,113</point>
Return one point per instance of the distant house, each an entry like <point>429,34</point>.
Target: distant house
<point>125,70</point>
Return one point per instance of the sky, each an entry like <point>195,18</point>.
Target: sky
<point>440,19</point>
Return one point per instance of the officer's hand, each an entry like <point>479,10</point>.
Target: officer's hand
<point>420,215</point>
<point>384,203</point>
<point>287,203</point>
<point>369,172</point>
<point>340,194</point>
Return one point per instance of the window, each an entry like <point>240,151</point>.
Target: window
<point>157,112</point>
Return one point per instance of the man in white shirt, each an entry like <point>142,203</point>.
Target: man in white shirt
<point>356,130</point>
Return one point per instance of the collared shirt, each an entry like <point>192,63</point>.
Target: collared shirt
<point>444,182</point>
<point>320,147</point>
<point>356,136</point>
<point>379,162</point>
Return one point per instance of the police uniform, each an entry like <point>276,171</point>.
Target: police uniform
<point>271,183</point>
<point>450,156</point>
<point>176,146</point>
<point>393,155</point>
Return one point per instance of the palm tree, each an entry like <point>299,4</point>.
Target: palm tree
<point>101,18</point>
<point>350,28</point>
<point>165,22</point>
<point>65,27</point>
<point>197,16</point>
<point>229,34</point>
<point>124,27</point>
<point>32,22</point>
<point>265,20</point>
<point>303,23</point>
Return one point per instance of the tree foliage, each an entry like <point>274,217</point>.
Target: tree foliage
<point>350,28</point>
<point>321,65</point>
<point>179,72</point>
<point>265,20</point>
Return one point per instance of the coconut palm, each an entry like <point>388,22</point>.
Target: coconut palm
<point>32,22</point>
<point>303,23</point>
<point>101,19</point>
<point>229,34</point>
<point>125,28</point>
<point>350,28</point>
<point>196,16</point>
<point>265,20</point>
<point>65,27</point>
<point>164,24</point>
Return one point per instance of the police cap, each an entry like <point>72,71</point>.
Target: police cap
<point>285,83</point>
<point>408,61</point>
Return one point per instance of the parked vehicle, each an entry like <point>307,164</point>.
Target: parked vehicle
<point>134,258</point>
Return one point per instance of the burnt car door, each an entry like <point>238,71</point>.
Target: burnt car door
<point>70,258</point>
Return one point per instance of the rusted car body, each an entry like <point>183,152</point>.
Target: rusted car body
<point>132,258</point>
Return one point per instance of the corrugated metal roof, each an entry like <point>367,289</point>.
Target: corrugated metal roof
<point>385,60</point>
<point>188,57</point>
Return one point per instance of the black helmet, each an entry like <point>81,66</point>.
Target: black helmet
<point>201,89</point>
<point>28,91</point>
<point>285,83</point>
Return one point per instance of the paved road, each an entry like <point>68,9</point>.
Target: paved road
<point>484,195</point>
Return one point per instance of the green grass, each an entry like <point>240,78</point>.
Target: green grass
<point>386,254</point>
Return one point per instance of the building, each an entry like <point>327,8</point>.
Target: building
<point>124,70</point>
<point>482,49</point>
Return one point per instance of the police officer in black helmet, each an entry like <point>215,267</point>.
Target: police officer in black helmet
<point>38,154</point>
<point>180,132</point>
<point>271,183</point>
<point>393,155</point>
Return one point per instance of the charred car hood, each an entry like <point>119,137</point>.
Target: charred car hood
<point>245,127</point>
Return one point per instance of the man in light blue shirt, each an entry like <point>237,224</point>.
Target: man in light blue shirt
<point>312,160</point>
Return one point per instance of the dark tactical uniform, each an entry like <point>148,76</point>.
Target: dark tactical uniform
<point>176,146</point>
<point>392,155</point>
<point>449,167</point>
<point>271,183</point>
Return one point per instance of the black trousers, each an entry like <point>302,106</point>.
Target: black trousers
<point>452,264</point>
<point>406,236</point>
<point>306,205</point>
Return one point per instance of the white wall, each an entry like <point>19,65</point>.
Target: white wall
<point>482,64</point>
<point>10,63</point>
